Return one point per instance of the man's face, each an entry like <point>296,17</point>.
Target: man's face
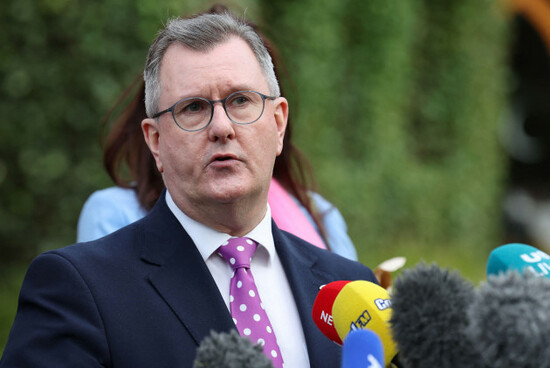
<point>224,162</point>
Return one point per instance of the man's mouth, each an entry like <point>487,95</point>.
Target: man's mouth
<point>224,158</point>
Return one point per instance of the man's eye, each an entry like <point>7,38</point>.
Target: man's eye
<point>190,107</point>
<point>238,100</point>
<point>194,106</point>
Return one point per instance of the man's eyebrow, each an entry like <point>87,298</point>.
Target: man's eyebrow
<point>226,92</point>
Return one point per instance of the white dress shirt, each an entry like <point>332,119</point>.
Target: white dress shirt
<point>268,274</point>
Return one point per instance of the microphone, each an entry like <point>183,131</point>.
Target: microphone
<point>510,319</point>
<point>322,309</point>
<point>362,349</point>
<point>359,305</point>
<point>230,350</point>
<point>430,318</point>
<point>517,256</point>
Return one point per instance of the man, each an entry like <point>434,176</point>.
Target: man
<point>146,295</point>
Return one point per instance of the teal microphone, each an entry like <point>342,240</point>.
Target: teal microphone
<point>518,257</point>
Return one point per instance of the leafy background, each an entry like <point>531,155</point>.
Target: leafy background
<point>396,103</point>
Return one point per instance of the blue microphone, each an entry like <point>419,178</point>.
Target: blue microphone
<point>518,257</point>
<point>362,349</point>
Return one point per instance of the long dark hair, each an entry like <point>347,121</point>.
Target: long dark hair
<point>130,164</point>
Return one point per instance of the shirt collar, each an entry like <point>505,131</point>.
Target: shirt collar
<point>208,240</point>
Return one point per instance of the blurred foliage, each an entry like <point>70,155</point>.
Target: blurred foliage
<point>399,103</point>
<point>396,104</point>
<point>11,277</point>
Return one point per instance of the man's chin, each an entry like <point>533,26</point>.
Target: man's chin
<point>228,193</point>
<point>229,196</point>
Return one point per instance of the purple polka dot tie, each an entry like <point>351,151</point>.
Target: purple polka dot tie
<point>245,303</point>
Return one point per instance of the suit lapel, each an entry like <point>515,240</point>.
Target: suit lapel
<point>181,277</point>
<point>301,269</point>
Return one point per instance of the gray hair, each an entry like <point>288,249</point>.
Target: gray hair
<point>202,33</point>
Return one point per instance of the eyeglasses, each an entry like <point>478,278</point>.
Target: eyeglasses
<point>195,113</point>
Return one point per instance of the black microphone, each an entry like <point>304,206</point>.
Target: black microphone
<point>430,317</point>
<point>230,350</point>
<point>510,320</point>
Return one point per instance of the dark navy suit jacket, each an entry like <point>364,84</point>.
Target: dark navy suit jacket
<point>143,297</point>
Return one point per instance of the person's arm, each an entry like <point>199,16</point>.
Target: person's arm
<point>336,229</point>
<point>57,322</point>
<point>106,211</point>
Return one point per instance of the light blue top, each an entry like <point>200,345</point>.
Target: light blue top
<point>110,209</point>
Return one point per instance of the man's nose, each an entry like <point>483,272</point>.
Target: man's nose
<point>221,127</point>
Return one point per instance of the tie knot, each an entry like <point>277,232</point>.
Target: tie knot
<point>238,252</point>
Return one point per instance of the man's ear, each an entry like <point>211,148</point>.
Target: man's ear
<point>151,134</point>
<point>281,119</point>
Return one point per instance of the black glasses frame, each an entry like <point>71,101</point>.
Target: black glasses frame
<point>212,102</point>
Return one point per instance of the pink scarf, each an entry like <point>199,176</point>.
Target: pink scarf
<point>289,217</point>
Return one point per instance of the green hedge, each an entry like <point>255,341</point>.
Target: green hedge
<point>399,103</point>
